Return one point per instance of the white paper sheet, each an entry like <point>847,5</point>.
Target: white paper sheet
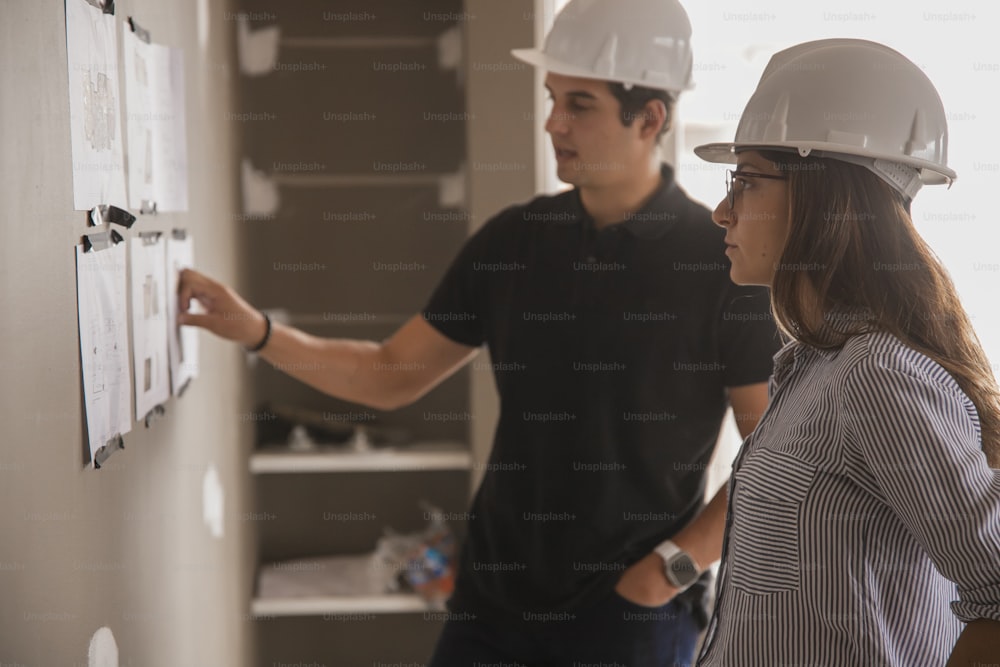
<point>95,123</point>
<point>138,119</point>
<point>157,140</point>
<point>149,325</point>
<point>169,129</point>
<point>183,341</point>
<point>102,311</point>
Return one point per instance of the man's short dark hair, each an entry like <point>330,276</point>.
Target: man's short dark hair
<point>633,100</point>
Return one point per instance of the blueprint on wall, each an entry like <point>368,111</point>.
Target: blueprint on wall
<point>102,311</point>
<point>95,122</point>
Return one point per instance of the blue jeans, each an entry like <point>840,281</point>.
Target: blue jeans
<point>614,633</point>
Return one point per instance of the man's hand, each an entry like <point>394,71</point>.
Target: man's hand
<point>226,314</point>
<point>645,584</point>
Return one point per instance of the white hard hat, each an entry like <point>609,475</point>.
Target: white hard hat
<point>852,100</point>
<point>634,42</point>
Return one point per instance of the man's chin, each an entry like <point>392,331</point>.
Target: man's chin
<point>570,176</point>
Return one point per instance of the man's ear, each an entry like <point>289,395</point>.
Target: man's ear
<point>653,116</point>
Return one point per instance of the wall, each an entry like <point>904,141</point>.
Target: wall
<point>125,546</point>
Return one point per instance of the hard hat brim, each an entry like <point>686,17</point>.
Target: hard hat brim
<point>931,173</point>
<point>543,61</point>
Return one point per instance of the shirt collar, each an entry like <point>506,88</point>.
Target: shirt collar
<point>794,355</point>
<point>841,321</point>
<point>656,216</point>
<point>785,361</point>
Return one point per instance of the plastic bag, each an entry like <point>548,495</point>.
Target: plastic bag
<point>425,560</point>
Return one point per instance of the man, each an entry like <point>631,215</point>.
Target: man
<point>618,342</point>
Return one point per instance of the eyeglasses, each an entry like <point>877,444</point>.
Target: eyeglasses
<point>737,176</point>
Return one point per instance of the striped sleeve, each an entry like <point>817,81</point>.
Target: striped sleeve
<point>917,442</point>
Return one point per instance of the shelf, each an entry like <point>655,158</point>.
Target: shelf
<point>397,603</point>
<point>419,456</point>
<point>380,43</point>
<point>342,319</point>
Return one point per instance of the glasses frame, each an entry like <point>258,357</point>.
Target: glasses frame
<point>731,174</point>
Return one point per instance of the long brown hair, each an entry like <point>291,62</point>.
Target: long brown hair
<point>852,250</point>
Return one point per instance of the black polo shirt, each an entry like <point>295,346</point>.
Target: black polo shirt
<point>612,351</point>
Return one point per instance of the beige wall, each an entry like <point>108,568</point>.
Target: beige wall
<point>125,546</point>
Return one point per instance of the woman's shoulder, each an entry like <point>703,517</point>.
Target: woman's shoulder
<point>877,357</point>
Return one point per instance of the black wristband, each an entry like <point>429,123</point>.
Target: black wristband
<point>267,335</point>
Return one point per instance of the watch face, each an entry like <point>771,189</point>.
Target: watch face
<point>682,570</point>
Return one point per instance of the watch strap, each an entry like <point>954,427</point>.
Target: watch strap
<point>669,551</point>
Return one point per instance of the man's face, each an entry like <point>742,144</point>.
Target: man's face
<point>592,147</point>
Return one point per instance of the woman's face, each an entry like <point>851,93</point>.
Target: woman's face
<point>757,222</point>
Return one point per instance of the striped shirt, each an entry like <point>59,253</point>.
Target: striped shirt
<point>864,521</point>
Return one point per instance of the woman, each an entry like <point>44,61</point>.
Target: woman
<point>864,517</point>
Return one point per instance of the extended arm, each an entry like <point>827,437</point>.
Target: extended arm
<point>382,375</point>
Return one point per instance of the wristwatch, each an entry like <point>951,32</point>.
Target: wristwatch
<point>678,566</point>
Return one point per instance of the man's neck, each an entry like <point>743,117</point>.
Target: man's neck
<point>614,203</point>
